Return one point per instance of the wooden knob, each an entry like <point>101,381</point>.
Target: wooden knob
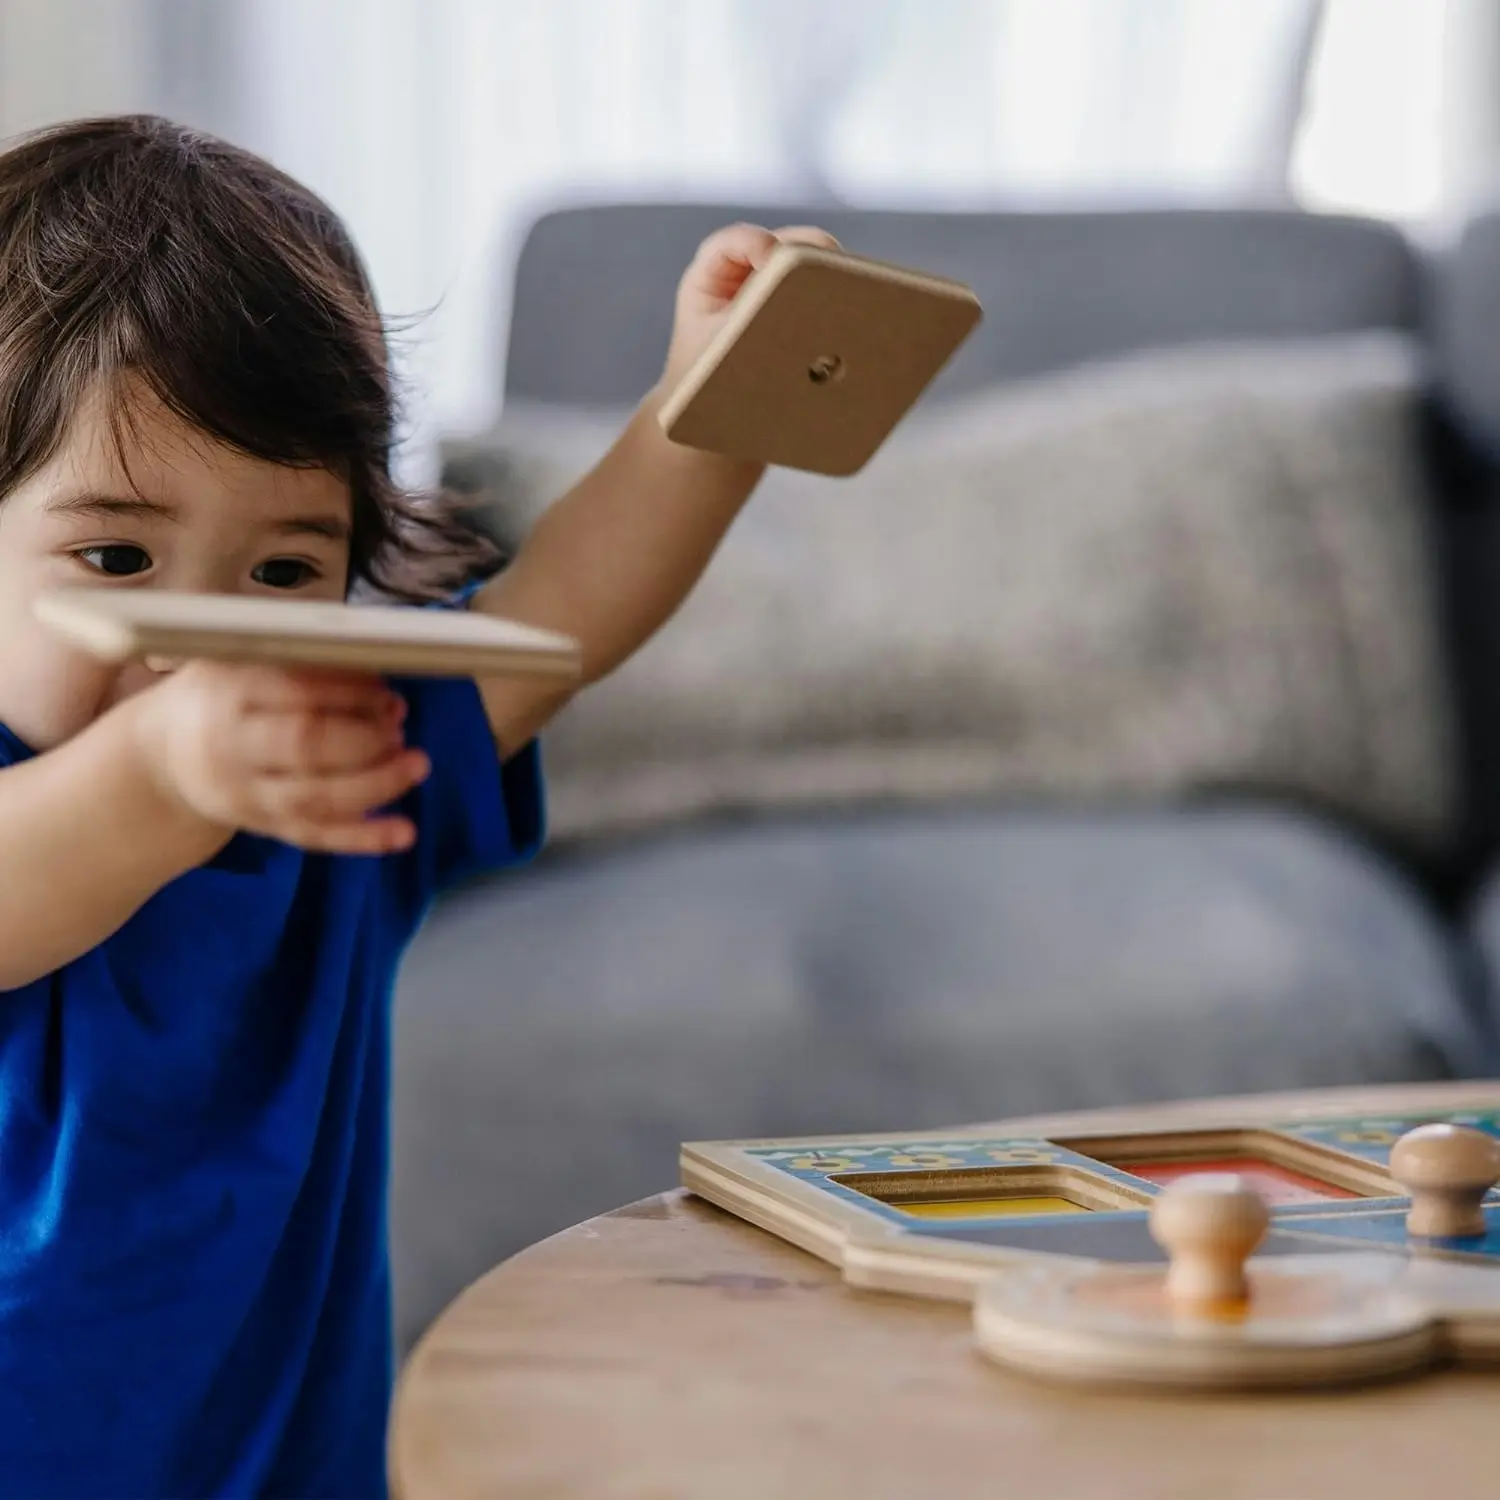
<point>1447,1170</point>
<point>1208,1224</point>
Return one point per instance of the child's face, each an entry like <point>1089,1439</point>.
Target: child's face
<point>166,508</point>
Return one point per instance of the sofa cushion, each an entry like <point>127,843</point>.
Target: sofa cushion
<point>561,1031</point>
<point>1173,574</point>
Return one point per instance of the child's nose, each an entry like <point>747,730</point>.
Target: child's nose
<point>163,664</point>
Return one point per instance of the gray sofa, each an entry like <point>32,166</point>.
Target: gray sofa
<point>886,962</point>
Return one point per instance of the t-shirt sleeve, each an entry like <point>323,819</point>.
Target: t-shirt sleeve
<point>473,814</point>
<point>12,751</point>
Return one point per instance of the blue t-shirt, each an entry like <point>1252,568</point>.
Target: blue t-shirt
<point>194,1283</point>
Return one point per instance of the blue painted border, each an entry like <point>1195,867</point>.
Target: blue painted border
<point>1365,1138</point>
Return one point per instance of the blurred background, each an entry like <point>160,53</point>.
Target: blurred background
<point>1128,729</point>
<point>440,128</point>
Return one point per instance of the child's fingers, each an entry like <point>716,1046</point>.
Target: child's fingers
<point>807,234</point>
<point>737,244</point>
<point>360,836</point>
<point>725,260</point>
<point>303,804</point>
<point>274,689</point>
<point>290,742</point>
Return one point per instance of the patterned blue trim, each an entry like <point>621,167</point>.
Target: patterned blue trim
<point>1366,1138</point>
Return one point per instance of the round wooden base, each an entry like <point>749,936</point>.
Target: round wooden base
<point>1312,1324</point>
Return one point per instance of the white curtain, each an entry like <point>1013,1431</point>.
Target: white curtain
<point>1403,111</point>
<point>1062,99</point>
<point>440,127</point>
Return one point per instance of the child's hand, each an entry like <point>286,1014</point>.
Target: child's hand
<point>299,756</point>
<point>720,268</point>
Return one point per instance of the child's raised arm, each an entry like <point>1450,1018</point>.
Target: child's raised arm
<point>611,562</point>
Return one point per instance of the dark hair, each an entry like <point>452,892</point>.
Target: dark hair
<point>133,246</point>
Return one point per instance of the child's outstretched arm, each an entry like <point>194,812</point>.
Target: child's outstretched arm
<point>93,829</point>
<point>86,837</point>
<point>612,561</point>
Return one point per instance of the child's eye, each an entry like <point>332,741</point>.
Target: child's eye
<point>285,573</point>
<point>117,560</point>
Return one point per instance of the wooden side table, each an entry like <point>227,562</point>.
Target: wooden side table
<point>667,1351</point>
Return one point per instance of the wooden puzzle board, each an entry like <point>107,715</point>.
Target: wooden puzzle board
<point>124,625</point>
<point>945,1214</point>
<point>822,355</point>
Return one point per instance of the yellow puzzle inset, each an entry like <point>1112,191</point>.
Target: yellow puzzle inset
<point>972,1208</point>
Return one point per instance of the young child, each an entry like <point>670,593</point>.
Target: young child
<point>207,872</point>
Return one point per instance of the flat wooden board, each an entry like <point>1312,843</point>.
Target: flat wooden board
<point>121,625</point>
<point>823,354</point>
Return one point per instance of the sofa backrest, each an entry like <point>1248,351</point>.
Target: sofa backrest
<point>594,285</point>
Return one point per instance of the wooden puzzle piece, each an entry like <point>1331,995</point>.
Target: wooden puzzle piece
<point>1208,1225</point>
<point>1464,1298</point>
<point>1447,1170</point>
<point>822,355</point>
<point>1206,1321</point>
<point>1315,1322</point>
<point>125,625</point>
